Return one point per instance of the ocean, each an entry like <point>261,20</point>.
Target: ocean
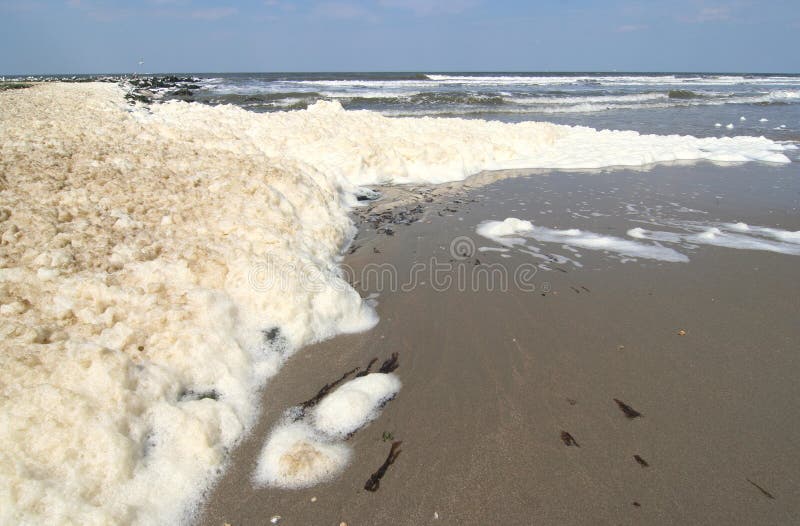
<point>662,103</point>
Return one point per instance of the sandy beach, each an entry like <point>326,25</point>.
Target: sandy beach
<point>706,351</point>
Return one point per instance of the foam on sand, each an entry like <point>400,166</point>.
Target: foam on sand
<point>363,147</point>
<point>303,453</point>
<point>297,456</point>
<point>354,404</point>
<point>141,301</point>
<point>739,236</point>
<point>159,264</point>
<point>498,230</point>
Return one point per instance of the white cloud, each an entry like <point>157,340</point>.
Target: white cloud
<point>630,28</point>
<point>342,11</point>
<point>101,11</point>
<point>713,14</point>
<point>20,6</point>
<point>431,7</point>
<point>283,5</point>
<point>213,13</point>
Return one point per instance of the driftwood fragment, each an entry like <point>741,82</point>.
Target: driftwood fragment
<point>374,482</point>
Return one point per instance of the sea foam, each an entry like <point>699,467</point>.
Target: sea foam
<point>304,452</point>
<point>160,264</point>
<point>499,230</point>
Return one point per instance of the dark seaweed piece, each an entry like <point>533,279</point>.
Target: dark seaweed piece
<point>311,402</point>
<point>477,261</point>
<point>628,410</point>
<point>584,288</point>
<point>637,504</point>
<point>561,270</point>
<point>272,334</point>
<point>374,482</point>
<point>575,290</point>
<point>390,364</point>
<point>366,371</point>
<point>762,490</point>
<point>376,250</point>
<point>569,440</point>
<point>187,395</point>
<point>353,249</point>
<point>642,462</point>
<point>274,340</point>
<point>572,401</point>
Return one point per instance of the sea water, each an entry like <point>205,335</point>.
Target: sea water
<point>664,103</point>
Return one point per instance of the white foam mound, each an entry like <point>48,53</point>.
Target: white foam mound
<point>354,404</point>
<point>496,230</point>
<point>296,456</point>
<point>156,269</point>
<point>363,147</point>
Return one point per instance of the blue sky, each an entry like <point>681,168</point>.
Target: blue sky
<point>86,36</point>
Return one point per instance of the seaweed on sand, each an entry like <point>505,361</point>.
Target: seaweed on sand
<point>374,482</point>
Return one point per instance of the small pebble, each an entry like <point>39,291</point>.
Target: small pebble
<point>681,332</point>
<point>313,499</point>
<point>435,514</point>
<point>275,519</point>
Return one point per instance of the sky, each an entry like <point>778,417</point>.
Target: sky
<point>113,36</point>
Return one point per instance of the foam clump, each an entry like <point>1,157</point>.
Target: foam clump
<point>497,230</point>
<point>354,404</point>
<point>739,236</point>
<point>305,452</point>
<point>297,456</point>
<point>506,227</point>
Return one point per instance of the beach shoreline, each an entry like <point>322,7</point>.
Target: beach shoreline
<point>493,379</point>
<point>142,246</point>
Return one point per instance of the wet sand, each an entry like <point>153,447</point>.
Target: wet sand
<point>492,378</point>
